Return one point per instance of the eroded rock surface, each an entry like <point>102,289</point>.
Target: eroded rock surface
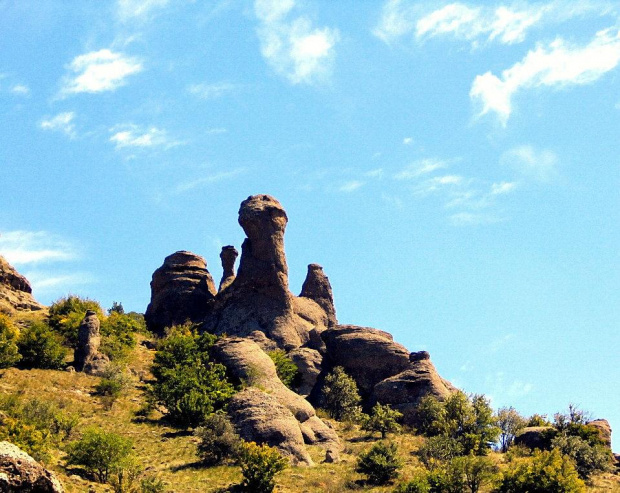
<point>228,256</point>
<point>308,362</point>
<point>182,290</point>
<point>604,430</point>
<point>15,290</point>
<point>317,288</point>
<point>20,472</point>
<point>87,357</point>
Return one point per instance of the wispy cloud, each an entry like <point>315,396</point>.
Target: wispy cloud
<point>407,141</point>
<point>216,130</point>
<point>291,45</point>
<point>133,136</point>
<point>211,91</point>
<point>557,65</point>
<point>503,392</point>
<point>20,90</point>
<point>206,180</point>
<point>99,71</point>
<point>419,168</point>
<point>138,9</point>
<point>44,282</point>
<point>33,247</point>
<point>62,122</point>
<point>540,165</point>
<point>351,186</point>
<point>503,187</point>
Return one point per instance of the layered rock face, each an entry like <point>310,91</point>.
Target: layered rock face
<point>20,472</point>
<point>604,430</point>
<point>182,290</point>
<point>15,290</point>
<point>317,288</point>
<point>87,357</point>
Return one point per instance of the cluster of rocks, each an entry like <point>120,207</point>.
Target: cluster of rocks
<point>258,313</point>
<point>15,291</point>
<point>86,357</point>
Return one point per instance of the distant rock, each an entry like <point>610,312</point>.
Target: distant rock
<point>317,288</point>
<point>87,357</point>
<point>535,437</point>
<point>20,472</point>
<point>182,290</point>
<point>15,290</point>
<point>228,256</point>
<point>604,430</point>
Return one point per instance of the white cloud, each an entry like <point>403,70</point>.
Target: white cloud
<point>504,392</point>
<point>407,141</point>
<point>62,122</point>
<point>211,91</point>
<point>126,136</point>
<point>540,165</point>
<point>351,186</point>
<point>503,188</point>
<point>205,180</point>
<point>472,218</point>
<point>43,282</point>
<point>556,65</point>
<point>216,130</point>
<point>138,9</point>
<point>99,71</point>
<point>292,46</point>
<point>20,89</point>
<point>32,247</point>
<point>374,173</point>
<point>419,168</point>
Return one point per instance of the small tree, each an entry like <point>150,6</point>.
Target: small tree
<point>287,371</point>
<point>40,347</point>
<point>383,419</point>
<point>510,422</point>
<point>380,464</point>
<point>259,465</point>
<point>475,471</point>
<point>217,440</point>
<point>341,398</point>
<point>588,458</point>
<point>9,354</point>
<point>438,450</point>
<point>100,453</point>
<point>118,335</point>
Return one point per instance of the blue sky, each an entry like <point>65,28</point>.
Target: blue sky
<point>453,166</point>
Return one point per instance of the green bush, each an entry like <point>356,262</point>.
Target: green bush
<point>382,419</point>
<point>430,416</point>
<point>259,465</point>
<point>40,347</point>
<point>118,335</point>
<point>439,449</point>
<point>510,422</point>
<point>66,314</point>
<point>475,471</point>
<point>588,459</point>
<point>341,398</point>
<point>217,440</point>
<point>287,371</point>
<point>100,453</point>
<point>537,420</point>
<point>9,354</point>
<point>380,464</point>
<point>546,472</point>
<point>419,484</point>
<point>188,383</point>
<point>113,382</point>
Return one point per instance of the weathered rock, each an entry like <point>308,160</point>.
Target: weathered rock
<point>405,390</point>
<point>228,257</point>
<point>604,430</point>
<point>317,288</point>
<point>332,456</point>
<point>247,362</point>
<point>20,472</point>
<point>368,355</point>
<point>308,362</point>
<point>535,437</point>
<point>15,290</point>
<point>87,357</point>
<point>182,290</point>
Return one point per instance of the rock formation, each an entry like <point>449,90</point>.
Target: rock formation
<point>604,430</point>
<point>15,290</point>
<point>87,357</point>
<point>182,290</point>
<point>317,288</point>
<point>535,437</point>
<point>228,257</point>
<point>20,472</point>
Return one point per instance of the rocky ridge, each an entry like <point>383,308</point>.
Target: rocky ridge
<point>15,290</point>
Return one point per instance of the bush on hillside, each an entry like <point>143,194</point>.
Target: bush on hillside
<point>217,440</point>
<point>259,465</point>
<point>41,347</point>
<point>510,422</point>
<point>439,449</point>
<point>382,419</point>
<point>66,314</point>
<point>380,464</point>
<point>287,371</point>
<point>588,459</point>
<point>9,354</point>
<point>475,471</point>
<point>341,398</point>
<point>118,335</point>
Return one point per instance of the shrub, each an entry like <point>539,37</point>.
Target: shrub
<point>510,422</point>
<point>546,472</point>
<point>430,416</point>
<point>287,371</point>
<point>439,449</point>
<point>588,458</point>
<point>9,355</point>
<point>475,471</point>
<point>218,441</point>
<point>188,384</point>
<point>259,465</point>
<point>118,337</point>
<point>341,398</point>
<point>419,484</point>
<point>66,314</point>
<point>383,419</point>
<point>100,453</point>
<point>537,420</point>
<point>380,464</point>
<point>40,347</point>
<point>113,382</point>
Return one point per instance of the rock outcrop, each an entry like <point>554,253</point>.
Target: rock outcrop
<point>87,357</point>
<point>20,472</point>
<point>15,290</point>
<point>534,437</point>
<point>228,256</point>
<point>309,363</point>
<point>182,290</point>
<point>268,411</point>
<point>604,430</point>
<point>317,288</point>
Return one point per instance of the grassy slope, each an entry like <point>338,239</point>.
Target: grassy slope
<point>170,453</point>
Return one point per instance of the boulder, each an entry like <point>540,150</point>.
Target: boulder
<point>604,430</point>
<point>308,362</point>
<point>405,390</point>
<point>182,290</point>
<point>87,357</point>
<point>317,288</point>
<point>20,472</point>
<point>366,354</point>
<point>535,437</point>
<point>228,256</point>
<point>15,290</point>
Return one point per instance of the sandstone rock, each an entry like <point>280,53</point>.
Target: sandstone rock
<point>332,456</point>
<point>20,472</point>
<point>228,257</point>
<point>604,430</point>
<point>405,390</point>
<point>182,290</point>
<point>15,290</point>
<point>368,355</point>
<point>317,288</point>
<point>87,357</point>
<point>535,437</point>
<point>308,362</point>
